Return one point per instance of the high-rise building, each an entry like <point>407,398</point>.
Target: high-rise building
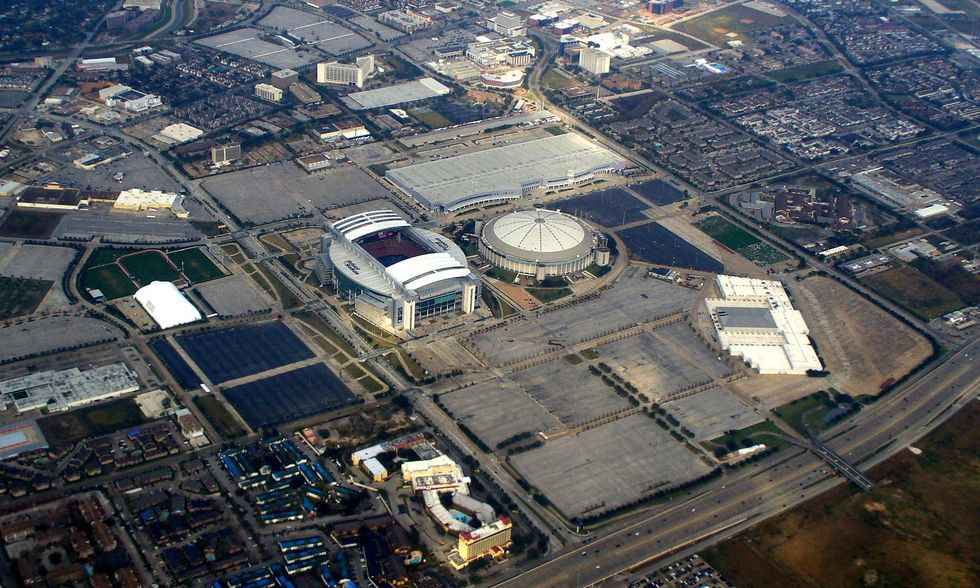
<point>224,153</point>
<point>490,540</point>
<point>594,60</point>
<point>267,92</point>
<point>355,74</point>
<point>283,78</point>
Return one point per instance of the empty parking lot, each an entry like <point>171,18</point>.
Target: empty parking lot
<point>497,410</point>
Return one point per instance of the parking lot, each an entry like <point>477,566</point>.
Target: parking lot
<point>712,412</point>
<point>228,354</point>
<point>497,410</point>
<point>326,35</point>
<point>608,466</point>
<point>634,299</point>
<point>292,395</point>
<point>609,208</point>
<point>38,336</point>
<point>272,192</point>
<point>138,172</point>
<point>570,392</point>
<point>246,43</point>
<point>125,228</point>
<point>232,296</point>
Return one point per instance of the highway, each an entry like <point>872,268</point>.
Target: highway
<point>751,495</point>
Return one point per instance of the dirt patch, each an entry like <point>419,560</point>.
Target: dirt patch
<point>912,529</point>
<point>720,31</point>
<point>864,347</point>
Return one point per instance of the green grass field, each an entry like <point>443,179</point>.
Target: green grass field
<point>20,296</point>
<point>806,71</point>
<point>149,266</point>
<point>546,295</point>
<point>808,410</point>
<point>101,419</point>
<point>195,264</point>
<point>431,118</point>
<point>764,432</point>
<point>919,293</point>
<point>110,279</point>
<point>219,417</point>
<point>105,255</point>
<point>740,240</point>
<point>715,26</point>
<point>555,81</point>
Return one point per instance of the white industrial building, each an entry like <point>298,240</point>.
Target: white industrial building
<point>755,320</point>
<point>348,74</point>
<point>66,389</point>
<point>505,173</point>
<point>136,199</point>
<point>408,92</point>
<point>166,305</point>
<point>541,243</point>
<point>178,133</point>
<point>130,99</point>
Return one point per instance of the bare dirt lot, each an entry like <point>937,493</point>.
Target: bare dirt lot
<point>912,529</point>
<point>863,346</point>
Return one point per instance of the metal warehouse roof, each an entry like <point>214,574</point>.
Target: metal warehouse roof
<point>503,172</point>
<point>398,94</point>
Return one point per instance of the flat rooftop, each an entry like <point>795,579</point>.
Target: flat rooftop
<point>504,172</point>
<point>736,317</point>
<point>414,91</point>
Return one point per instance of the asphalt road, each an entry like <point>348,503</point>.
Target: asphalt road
<point>748,497</point>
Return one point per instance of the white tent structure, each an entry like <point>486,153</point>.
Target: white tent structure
<point>166,305</point>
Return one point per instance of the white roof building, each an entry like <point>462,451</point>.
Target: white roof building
<point>180,133</point>
<point>136,199</point>
<point>755,320</point>
<point>166,305</point>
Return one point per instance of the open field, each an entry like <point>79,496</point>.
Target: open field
<point>805,71</point>
<point>918,527</point>
<point>22,224</point>
<point>102,418</point>
<point>20,296</point>
<point>513,412</point>
<point>110,279</point>
<point>762,432</point>
<point>716,26</point>
<point>740,240</point>
<point>195,265</point>
<point>223,421</point>
<point>919,293</point>
<point>608,466</point>
<point>149,266</point>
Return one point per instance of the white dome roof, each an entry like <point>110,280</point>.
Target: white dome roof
<point>539,231</point>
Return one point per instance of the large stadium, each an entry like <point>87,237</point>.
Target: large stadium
<point>541,243</point>
<point>393,273</point>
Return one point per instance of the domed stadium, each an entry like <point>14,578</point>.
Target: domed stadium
<point>541,243</point>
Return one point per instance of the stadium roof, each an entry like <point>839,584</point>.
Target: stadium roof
<point>166,305</point>
<point>539,235</point>
<point>504,172</point>
<point>414,91</point>
<point>357,225</point>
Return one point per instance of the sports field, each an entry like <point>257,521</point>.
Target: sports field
<point>149,266</point>
<point>721,26</point>
<point>195,264</point>
<point>103,418</point>
<point>20,296</point>
<point>110,279</point>
<point>740,240</point>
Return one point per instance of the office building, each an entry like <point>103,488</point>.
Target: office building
<point>348,74</point>
<point>268,92</point>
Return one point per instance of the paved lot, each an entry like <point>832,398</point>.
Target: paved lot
<point>272,192</point>
<point>246,43</point>
<point>497,410</point>
<point>138,172</point>
<point>384,32</point>
<point>126,228</point>
<point>327,35</point>
<point>608,466</point>
<point>232,296</point>
<point>609,208</point>
<point>712,412</point>
<point>633,300</point>
<point>42,335</point>
<point>654,365</point>
<point>570,392</point>
<point>41,263</point>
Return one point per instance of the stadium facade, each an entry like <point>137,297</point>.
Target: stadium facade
<point>507,172</point>
<point>541,243</point>
<point>395,274</point>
